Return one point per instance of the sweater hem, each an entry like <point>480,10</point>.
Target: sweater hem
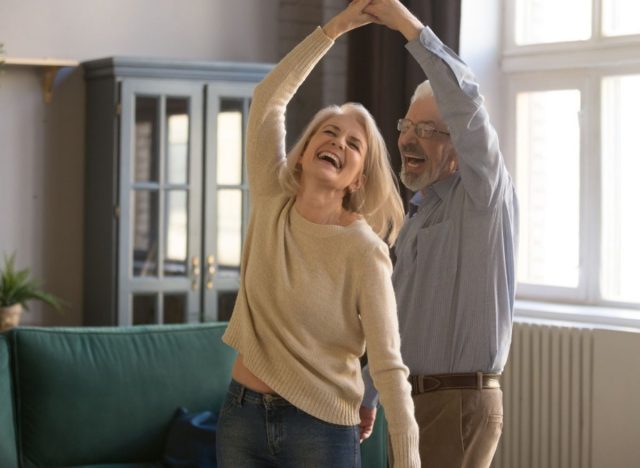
<point>309,399</point>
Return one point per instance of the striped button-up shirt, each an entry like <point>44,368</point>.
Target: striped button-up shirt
<point>454,275</point>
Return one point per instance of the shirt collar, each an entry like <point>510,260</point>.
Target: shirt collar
<point>417,198</point>
<point>440,188</point>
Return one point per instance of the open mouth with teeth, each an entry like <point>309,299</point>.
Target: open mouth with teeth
<point>414,161</point>
<point>330,158</point>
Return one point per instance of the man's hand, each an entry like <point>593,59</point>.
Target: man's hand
<point>367,419</point>
<point>394,15</point>
<point>352,17</point>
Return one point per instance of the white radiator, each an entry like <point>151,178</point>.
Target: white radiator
<point>548,393</point>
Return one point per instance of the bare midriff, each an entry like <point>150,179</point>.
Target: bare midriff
<point>244,376</point>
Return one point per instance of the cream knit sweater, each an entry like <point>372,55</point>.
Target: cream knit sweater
<point>311,294</point>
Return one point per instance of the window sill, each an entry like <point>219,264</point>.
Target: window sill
<point>580,316</point>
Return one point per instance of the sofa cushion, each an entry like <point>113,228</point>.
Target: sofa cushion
<point>89,396</point>
<point>8,450</point>
<point>123,465</point>
<point>191,441</point>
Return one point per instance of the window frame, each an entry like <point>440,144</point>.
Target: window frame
<point>596,43</point>
<point>579,65</point>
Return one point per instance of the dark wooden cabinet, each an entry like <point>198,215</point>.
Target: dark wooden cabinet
<point>166,202</point>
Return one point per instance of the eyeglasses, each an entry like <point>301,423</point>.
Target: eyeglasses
<point>422,129</point>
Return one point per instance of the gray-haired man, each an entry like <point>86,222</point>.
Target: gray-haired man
<point>454,276</point>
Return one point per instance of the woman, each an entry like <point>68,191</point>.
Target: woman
<point>315,283</point>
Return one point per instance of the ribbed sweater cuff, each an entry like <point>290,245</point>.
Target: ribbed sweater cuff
<point>405,450</point>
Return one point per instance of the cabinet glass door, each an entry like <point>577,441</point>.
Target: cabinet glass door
<point>227,198</point>
<point>160,203</point>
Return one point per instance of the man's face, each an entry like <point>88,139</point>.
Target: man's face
<point>425,160</point>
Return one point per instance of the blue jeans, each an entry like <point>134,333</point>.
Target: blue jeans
<point>257,430</point>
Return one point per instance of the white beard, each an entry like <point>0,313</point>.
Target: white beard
<point>416,182</point>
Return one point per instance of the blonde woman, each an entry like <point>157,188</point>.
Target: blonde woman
<point>316,283</point>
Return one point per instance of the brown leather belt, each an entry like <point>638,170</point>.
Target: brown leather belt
<point>430,383</point>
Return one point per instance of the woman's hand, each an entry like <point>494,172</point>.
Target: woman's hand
<point>394,15</point>
<point>352,17</point>
<point>367,420</point>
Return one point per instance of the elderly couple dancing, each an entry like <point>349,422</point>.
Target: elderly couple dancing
<point>318,286</point>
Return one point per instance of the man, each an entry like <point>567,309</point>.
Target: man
<point>454,274</point>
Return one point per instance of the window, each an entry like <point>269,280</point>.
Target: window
<point>620,243</point>
<point>574,90</point>
<point>548,168</point>
<point>542,21</point>
<point>620,17</point>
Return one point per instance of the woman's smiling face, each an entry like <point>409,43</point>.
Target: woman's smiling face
<point>335,153</point>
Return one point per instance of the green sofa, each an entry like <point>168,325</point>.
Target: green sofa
<point>104,397</point>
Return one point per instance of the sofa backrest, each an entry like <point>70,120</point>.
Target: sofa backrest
<point>106,395</point>
<point>8,451</point>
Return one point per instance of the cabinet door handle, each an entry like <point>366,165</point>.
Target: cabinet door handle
<point>211,270</point>
<point>195,272</point>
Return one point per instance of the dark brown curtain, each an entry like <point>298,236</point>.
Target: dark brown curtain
<point>382,75</point>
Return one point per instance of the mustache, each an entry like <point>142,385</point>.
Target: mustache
<point>411,148</point>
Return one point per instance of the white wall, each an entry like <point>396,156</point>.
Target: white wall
<point>42,146</point>
<point>193,29</point>
<point>480,48</point>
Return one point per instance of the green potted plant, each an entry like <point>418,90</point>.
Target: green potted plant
<point>16,289</point>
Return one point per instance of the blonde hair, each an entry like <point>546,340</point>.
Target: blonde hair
<point>377,200</point>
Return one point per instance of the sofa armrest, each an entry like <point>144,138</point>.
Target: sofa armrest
<point>8,446</point>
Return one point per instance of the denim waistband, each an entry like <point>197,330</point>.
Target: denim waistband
<point>245,395</point>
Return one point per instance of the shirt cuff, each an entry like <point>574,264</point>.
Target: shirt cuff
<point>427,39</point>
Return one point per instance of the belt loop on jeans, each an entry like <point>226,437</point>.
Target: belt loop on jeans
<point>241,395</point>
<point>479,376</point>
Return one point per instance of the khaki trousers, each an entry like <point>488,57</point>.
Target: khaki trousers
<point>458,428</point>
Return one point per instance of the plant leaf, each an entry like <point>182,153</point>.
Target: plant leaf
<point>16,287</point>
